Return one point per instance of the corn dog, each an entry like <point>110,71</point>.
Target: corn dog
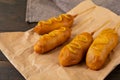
<point>64,20</point>
<point>99,50</point>
<point>49,41</point>
<point>73,52</point>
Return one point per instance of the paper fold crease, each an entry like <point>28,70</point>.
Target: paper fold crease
<point>18,48</point>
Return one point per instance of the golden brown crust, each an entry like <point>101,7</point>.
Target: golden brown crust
<point>100,49</point>
<point>64,20</point>
<point>73,52</point>
<point>53,39</point>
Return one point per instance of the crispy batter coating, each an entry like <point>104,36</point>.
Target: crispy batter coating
<point>99,50</point>
<point>74,52</point>
<point>50,41</point>
<point>64,20</point>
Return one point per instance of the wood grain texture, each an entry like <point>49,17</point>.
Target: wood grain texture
<point>12,18</point>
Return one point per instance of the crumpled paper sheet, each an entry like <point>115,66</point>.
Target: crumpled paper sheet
<point>18,48</point>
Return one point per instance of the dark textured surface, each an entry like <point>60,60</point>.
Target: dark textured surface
<point>12,15</point>
<point>12,18</point>
<point>39,9</point>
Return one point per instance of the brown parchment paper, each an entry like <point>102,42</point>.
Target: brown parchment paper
<point>18,48</point>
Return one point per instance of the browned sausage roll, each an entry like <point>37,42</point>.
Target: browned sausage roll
<point>73,52</point>
<point>64,20</point>
<point>100,48</point>
<point>49,41</point>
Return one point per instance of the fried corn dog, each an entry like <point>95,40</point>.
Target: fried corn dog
<point>101,47</point>
<point>64,20</point>
<point>49,41</point>
<point>73,52</point>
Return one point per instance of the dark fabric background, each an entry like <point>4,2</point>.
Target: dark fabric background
<point>12,18</point>
<point>44,9</point>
